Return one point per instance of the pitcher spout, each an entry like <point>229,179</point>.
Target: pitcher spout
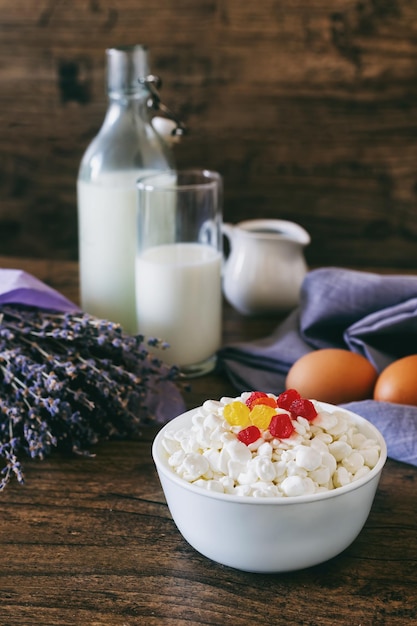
<point>281,230</point>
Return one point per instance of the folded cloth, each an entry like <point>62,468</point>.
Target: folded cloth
<point>19,287</point>
<point>367,313</point>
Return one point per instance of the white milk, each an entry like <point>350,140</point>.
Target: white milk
<point>178,289</point>
<point>107,227</point>
<point>107,248</point>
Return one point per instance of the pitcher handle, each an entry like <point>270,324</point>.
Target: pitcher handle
<point>227,231</point>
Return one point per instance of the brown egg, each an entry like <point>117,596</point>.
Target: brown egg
<point>333,375</point>
<point>398,382</point>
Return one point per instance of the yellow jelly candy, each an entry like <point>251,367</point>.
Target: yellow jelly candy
<point>237,414</point>
<point>261,415</point>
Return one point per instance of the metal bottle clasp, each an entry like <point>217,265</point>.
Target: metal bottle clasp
<point>153,84</point>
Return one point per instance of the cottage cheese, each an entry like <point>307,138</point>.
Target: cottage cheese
<point>323,454</point>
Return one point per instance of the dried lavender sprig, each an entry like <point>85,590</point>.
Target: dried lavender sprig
<point>69,380</point>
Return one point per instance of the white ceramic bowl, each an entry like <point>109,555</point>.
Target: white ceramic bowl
<point>268,534</point>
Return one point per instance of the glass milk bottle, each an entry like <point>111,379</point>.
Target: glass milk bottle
<point>126,148</point>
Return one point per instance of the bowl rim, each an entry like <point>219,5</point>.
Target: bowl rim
<point>163,467</point>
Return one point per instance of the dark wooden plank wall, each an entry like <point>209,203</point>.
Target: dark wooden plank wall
<point>307,107</point>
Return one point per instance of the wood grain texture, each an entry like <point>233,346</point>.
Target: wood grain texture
<point>308,109</point>
<point>91,541</point>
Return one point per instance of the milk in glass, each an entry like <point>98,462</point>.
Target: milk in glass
<point>178,289</point>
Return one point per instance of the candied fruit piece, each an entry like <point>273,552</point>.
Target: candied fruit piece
<point>303,408</point>
<point>286,398</point>
<point>261,415</point>
<point>255,395</point>
<point>281,426</point>
<point>291,401</point>
<point>267,401</point>
<point>249,435</point>
<point>237,414</point>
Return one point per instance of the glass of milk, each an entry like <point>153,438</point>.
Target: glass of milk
<point>178,266</point>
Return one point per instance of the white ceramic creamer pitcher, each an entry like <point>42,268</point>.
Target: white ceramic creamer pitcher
<point>265,266</point>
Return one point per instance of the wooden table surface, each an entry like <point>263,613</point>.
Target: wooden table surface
<point>91,541</point>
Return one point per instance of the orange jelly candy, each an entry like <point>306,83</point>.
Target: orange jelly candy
<point>267,401</point>
<point>254,396</point>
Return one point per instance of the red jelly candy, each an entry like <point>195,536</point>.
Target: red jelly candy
<point>249,435</point>
<point>303,408</point>
<point>286,398</point>
<point>281,426</point>
<point>254,396</point>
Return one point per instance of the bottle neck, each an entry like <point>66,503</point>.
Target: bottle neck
<point>125,66</point>
<point>126,141</point>
<point>139,96</point>
<point>128,109</point>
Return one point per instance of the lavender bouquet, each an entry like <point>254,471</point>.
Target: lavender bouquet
<point>68,380</point>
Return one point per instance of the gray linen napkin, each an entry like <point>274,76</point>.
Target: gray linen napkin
<point>367,313</point>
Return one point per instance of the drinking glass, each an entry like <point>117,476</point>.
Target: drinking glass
<point>178,266</point>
